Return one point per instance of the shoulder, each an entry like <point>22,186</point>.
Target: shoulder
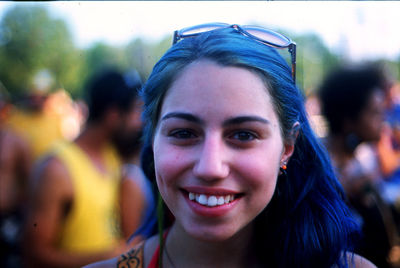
<point>150,248</point>
<point>50,174</point>
<point>132,258</point>
<point>104,264</point>
<point>51,168</point>
<point>361,262</point>
<point>133,173</point>
<point>12,141</point>
<point>357,261</point>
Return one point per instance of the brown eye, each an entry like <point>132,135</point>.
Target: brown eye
<point>182,134</point>
<point>244,136</point>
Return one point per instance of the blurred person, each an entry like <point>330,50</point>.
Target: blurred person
<point>352,102</point>
<point>70,113</point>
<point>137,197</point>
<point>388,154</point>
<point>40,127</point>
<point>15,166</point>
<point>389,148</point>
<point>74,217</point>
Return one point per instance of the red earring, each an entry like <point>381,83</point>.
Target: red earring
<point>282,169</point>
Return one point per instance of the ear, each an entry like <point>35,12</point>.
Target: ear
<point>289,143</point>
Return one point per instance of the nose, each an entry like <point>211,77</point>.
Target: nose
<point>211,163</point>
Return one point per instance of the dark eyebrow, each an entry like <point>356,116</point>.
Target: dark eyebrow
<point>243,119</point>
<point>184,116</point>
<point>232,121</point>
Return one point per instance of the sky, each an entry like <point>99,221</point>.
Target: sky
<point>363,29</point>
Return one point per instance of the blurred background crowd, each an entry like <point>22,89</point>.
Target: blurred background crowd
<point>51,92</point>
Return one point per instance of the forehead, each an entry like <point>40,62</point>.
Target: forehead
<point>206,85</point>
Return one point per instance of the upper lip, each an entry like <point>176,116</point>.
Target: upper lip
<point>209,190</point>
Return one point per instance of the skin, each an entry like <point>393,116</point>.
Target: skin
<point>197,146</point>
<point>15,165</point>
<point>132,200</point>
<point>131,194</point>
<point>53,194</point>
<point>368,127</point>
<point>218,131</point>
<point>370,122</point>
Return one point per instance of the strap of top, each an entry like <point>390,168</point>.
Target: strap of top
<point>155,259</point>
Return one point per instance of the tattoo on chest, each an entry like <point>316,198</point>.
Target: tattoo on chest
<point>131,259</point>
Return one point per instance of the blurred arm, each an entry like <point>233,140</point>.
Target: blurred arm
<point>132,203</point>
<point>389,159</point>
<point>52,196</point>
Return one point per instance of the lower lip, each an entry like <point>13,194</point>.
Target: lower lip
<point>216,211</point>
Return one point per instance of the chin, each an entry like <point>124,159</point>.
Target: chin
<point>210,236</point>
<point>212,233</point>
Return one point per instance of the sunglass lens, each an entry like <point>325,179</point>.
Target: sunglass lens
<point>268,36</point>
<point>199,29</point>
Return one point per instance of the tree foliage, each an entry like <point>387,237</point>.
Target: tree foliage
<point>33,41</point>
<point>314,61</point>
<point>142,55</point>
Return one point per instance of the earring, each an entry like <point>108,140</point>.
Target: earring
<point>282,169</point>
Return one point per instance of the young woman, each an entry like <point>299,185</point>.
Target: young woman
<point>235,160</point>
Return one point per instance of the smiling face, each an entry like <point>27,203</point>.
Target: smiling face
<point>217,149</point>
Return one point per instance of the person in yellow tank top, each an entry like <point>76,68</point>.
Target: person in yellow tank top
<point>91,225</point>
<point>39,126</point>
<point>40,130</point>
<point>73,213</point>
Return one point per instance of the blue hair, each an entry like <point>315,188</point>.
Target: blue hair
<point>307,223</point>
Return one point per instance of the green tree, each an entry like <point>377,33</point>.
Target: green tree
<point>314,61</point>
<point>97,57</point>
<point>34,41</point>
<point>142,56</point>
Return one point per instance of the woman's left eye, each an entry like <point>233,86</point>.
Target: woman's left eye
<point>243,136</point>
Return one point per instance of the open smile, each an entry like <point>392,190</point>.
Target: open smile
<point>211,199</point>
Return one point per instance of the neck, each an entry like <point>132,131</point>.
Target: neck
<point>345,145</point>
<point>340,151</point>
<point>92,141</point>
<point>134,159</point>
<point>185,251</point>
<point>93,138</point>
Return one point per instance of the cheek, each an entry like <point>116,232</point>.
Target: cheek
<point>370,128</point>
<point>169,163</point>
<point>260,173</point>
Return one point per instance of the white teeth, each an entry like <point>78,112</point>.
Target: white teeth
<point>192,196</point>
<point>212,200</point>
<point>203,199</point>
<point>221,200</point>
<point>227,199</point>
